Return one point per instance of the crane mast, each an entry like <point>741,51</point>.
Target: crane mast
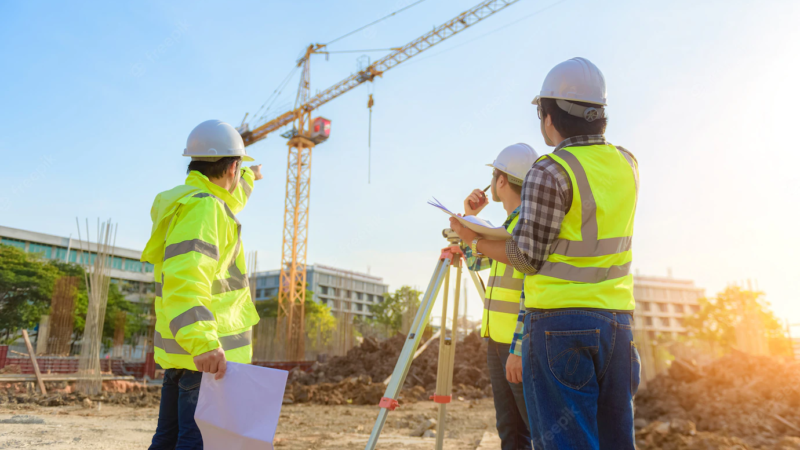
<point>292,289</point>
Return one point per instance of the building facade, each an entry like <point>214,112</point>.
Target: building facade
<point>662,303</point>
<point>134,278</point>
<point>342,290</point>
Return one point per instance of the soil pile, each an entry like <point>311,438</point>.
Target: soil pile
<point>744,401</point>
<point>63,394</point>
<point>357,377</point>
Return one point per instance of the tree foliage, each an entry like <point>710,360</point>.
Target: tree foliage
<point>717,318</point>
<point>389,313</point>
<point>26,286</point>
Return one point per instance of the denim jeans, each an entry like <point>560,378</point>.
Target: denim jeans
<point>580,371</point>
<point>176,428</point>
<point>509,401</point>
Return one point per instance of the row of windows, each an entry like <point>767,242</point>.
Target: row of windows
<point>663,321</point>
<point>341,305</point>
<point>130,265</point>
<point>665,307</point>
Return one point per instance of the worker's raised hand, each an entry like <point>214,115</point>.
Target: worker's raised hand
<point>257,171</point>
<point>463,232</point>
<point>212,362</point>
<point>514,369</point>
<point>476,198</point>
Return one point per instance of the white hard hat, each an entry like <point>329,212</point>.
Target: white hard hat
<point>575,79</point>
<point>213,140</point>
<point>515,161</point>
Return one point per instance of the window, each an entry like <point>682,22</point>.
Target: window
<point>61,253</point>
<point>324,301</point>
<point>116,263</point>
<point>133,265</point>
<point>359,296</point>
<point>149,268</point>
<point>323,290</point>
<point>13,242</point>
<point>45,250</point>
<point>370,298</point>
<point>348,294</point>
<point>678,309</point>
<point>662,307</point>
<point>337,292</point>
<point>695,309</point>
<point>648,321</point>
<point>646,306</point>
<point>359,307</point>
<point>664,321</point>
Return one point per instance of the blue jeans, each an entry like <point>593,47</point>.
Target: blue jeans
<point>176,428</point>
<point>580,372</point>
<point>509,402</point>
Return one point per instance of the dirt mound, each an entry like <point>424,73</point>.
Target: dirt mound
<point>375,360</point>
<point>63,394</point>
<point>752,398</point>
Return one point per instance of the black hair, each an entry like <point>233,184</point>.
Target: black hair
<point>568,125</point>
<point>215,169</point>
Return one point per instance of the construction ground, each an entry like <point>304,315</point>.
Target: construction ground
<point>737,402</point>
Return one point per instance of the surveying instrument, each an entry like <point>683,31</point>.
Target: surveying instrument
<point>447,344</point>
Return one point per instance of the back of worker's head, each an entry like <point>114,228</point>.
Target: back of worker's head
<point>216,149</point>
<point>214,168</point>
<point>572,100</point>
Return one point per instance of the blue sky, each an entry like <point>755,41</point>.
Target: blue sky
<point>99,98</point>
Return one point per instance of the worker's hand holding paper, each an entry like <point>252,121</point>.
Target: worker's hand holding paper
<point>240,411</point>
<point>481,226</point>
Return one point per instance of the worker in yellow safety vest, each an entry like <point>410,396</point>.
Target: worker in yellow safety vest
<point>580,366</point>
<point>502,305</point>
<point>204,313</point>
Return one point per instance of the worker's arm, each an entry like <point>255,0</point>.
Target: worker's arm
<point>491,249</point>
<point>474,263</point>
<point>247,178</point>
<point>191,258</point>
<point>546,199</point>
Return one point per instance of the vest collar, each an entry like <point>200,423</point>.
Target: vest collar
<point>511,216</point>
<point>574,141</point>
<point>199,180</point>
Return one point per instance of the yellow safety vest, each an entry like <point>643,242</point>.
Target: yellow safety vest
<point>202,297</point>
<point>589,263</point>
<point>502,303</point>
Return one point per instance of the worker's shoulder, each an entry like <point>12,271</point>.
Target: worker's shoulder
<point>628,152</point>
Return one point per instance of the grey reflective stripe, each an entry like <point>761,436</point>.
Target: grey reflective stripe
<point>160,287</point>
<point>588,205</point>
<point>192,245</point>
<point>170,346</point>
<point>629,158</point>
<point>237,281</point>
<point>190,316</point>
<point>600,247</point>
<point>507,281</point>
<point>564,271</point>
<point>246,187</point>
<point>501,306</point>
<point>236,341</point>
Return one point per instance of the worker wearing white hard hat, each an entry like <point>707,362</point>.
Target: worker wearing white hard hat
<point>204,314</point>
<point>502,301</point>
<point>580,366</point>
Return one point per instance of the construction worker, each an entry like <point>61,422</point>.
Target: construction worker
<point>501,307</point>
<point>573,243</point>
<point>204,313</point>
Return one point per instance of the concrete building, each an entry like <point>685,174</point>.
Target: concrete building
<point>135,278</point>
<point>342,290</point>
<point>662,303</point>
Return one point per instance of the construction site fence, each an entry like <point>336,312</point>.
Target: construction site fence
<point>68,364</point>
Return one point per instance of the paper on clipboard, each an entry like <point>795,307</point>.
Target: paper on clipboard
<point>481,226</point>
<point>240,411</point>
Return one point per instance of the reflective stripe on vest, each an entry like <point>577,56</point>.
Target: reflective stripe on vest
<point>591,271</point>
<point>502,303</point>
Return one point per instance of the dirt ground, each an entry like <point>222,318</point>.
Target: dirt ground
<point>302,426</point>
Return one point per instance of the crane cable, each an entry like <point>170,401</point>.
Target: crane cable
<point>374,22</point>
<point>275,94</point>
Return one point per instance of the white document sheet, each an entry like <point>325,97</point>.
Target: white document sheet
<point>240,411</point>
<point>481,226</point>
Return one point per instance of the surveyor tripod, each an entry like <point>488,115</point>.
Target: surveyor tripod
<point>447,344</point>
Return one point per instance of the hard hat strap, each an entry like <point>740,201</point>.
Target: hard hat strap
<point>588,113</point>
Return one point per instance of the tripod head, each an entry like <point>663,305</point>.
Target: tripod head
<point>451,236</point>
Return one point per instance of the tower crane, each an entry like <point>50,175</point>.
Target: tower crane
<point>304,135</point>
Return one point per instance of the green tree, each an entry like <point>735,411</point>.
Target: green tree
<point>318,316</point>
<point>717,318</point>
<point>389,312</point>
<point>26,286</point>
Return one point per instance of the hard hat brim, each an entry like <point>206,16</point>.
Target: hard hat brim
<point>245,158</point>
<point>538,98</point>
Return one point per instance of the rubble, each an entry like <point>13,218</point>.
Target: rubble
<point>736,402</point>
<point>344,378</point>
<point>62,394</point>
